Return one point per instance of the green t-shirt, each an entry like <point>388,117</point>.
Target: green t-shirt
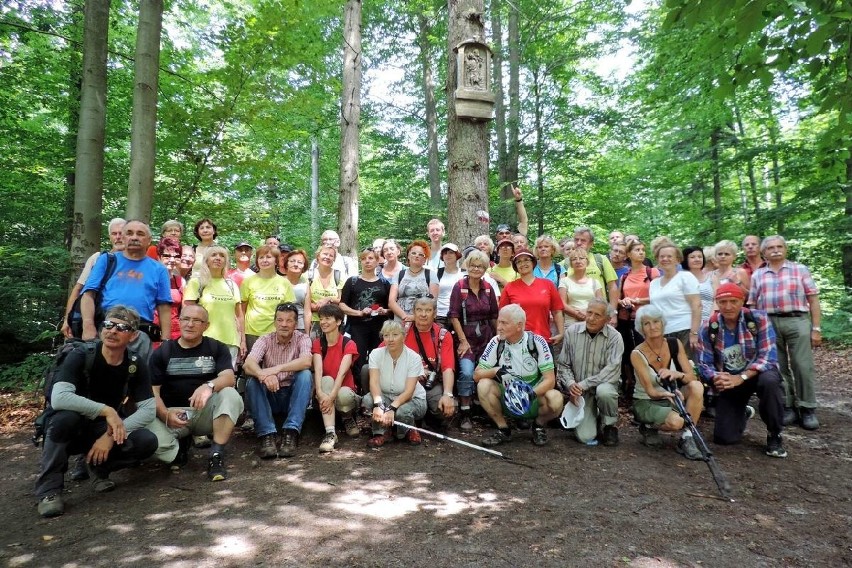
<point>220,298</point>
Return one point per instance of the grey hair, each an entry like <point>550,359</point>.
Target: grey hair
<point>391,326</point>
<point>649,311</point>
<point>124,313</point>
<point>172,223</point>
<point>476,255</point>
<point>601,302</point>
<point>115,221</point>
<point>427,301</point>
<point>581,230</point>
<point>730,245</point>
<point>766,240</point>
<point>515,313</point>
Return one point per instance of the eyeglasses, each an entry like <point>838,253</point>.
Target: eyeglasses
<point>287,307</point>
<point>417,254</point>
<point>475,267</point>
<point>125,327</point>
<point>170,255</point>
<point>192,320</point>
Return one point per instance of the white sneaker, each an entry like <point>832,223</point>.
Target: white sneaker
<point>329,441</point>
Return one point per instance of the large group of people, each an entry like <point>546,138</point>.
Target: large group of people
<point>415,337</point>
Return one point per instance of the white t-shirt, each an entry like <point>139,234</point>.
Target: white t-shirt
<point>579,295</point>
<point>392,378</point>
<point>445,288</point>
<point>671,299</point>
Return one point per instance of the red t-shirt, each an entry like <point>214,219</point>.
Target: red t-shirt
<point>537,299</point>
<point>334,355</point>
<point>430,341</point>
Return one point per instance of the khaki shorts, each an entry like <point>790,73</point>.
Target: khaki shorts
<point>652,412</point>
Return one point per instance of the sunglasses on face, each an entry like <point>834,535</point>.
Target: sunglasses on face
<point>125,327</point>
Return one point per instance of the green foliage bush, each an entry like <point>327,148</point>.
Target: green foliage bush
<point>26,375</point>
<point>837,325</point>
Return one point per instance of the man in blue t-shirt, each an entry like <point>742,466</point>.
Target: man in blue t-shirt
<point>138,281</point>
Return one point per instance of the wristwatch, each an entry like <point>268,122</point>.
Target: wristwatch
<point>212,386</point>
<point>744,377</point>
<point>816,328</point>
<point>449,394</point>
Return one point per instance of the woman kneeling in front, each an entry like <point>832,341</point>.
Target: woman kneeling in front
<point>395,390</point>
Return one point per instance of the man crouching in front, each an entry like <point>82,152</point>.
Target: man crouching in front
<point>516,377</point>
<point>91,386</point>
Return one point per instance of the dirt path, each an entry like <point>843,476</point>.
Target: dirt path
<point>443,505</point>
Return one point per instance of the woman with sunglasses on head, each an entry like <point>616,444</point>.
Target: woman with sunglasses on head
<point>220,296</point>
<point>292,266</point>
<point>169,254</point>
<point>364,300</point>
<point>324,286</point>
<point>416,281</point>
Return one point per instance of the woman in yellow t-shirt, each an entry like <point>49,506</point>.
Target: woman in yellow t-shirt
<point>220,296</point>
<point>263,291</point>
<point>325,285</point>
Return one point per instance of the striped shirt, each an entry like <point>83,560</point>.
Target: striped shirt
<point>268,352</point>
<point>784,291</point>
<point>590,361</point>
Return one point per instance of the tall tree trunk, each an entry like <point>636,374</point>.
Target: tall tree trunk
<point>467,140</point>
<point>844,119</point>
<point>431,110</point>
<point>499,102</point>
<point>539,145</point>
<point>143,133</point>
<point>752,181</point>
<point>350,119</point>
<point>89,168</point>
<point>513,122</point>
<point>75,65</point>
<point>717,182</point>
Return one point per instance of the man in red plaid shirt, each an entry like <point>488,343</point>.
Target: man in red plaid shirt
<point>786,291</point>
<point>736,352</point>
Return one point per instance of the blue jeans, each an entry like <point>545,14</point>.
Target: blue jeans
<point>464,383</point>
<point>291,401</point>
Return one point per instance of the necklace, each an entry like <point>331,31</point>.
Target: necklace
<point>654,351</point>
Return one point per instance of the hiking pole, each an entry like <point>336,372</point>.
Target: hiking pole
<point>463,443</point>
<point>706,454</point>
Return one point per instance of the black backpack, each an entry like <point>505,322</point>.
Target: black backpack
<point>52,372</point>
<point>74,317</point>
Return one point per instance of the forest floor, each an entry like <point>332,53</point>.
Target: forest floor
<point>441,504</point>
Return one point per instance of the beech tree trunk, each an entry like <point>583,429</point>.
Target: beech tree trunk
<point>350,118</point>
<point>75,68</point>
<point>143,133</point>
<point>89,167</point>
<point>431,110</point>
<point>514,120</point>
<point>467,140</point>
<point>499,104</point>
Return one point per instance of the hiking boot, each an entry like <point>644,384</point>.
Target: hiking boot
<point>687,448</point>
<point>80,471</point>
<point>289,443</point>
<point>248,424</point>
<point>466,425</point>
<point>351,426</point>
<point>775,446</point>
<point>201,441</point>
<point>52,505</point>
<point>216,468</point>
<point>539,435</point>
<point>790,416</point>
<point>329,441</point>
<point>414,437</point>
<point>497,438</point>
<point>267,447</point>
<point>379,440</point>
<point>650,436</point>
<point>182,456</point>
<point>610,436</point>
<point>749,412</point>
<point>808,419</point>
<point>103,484</point>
